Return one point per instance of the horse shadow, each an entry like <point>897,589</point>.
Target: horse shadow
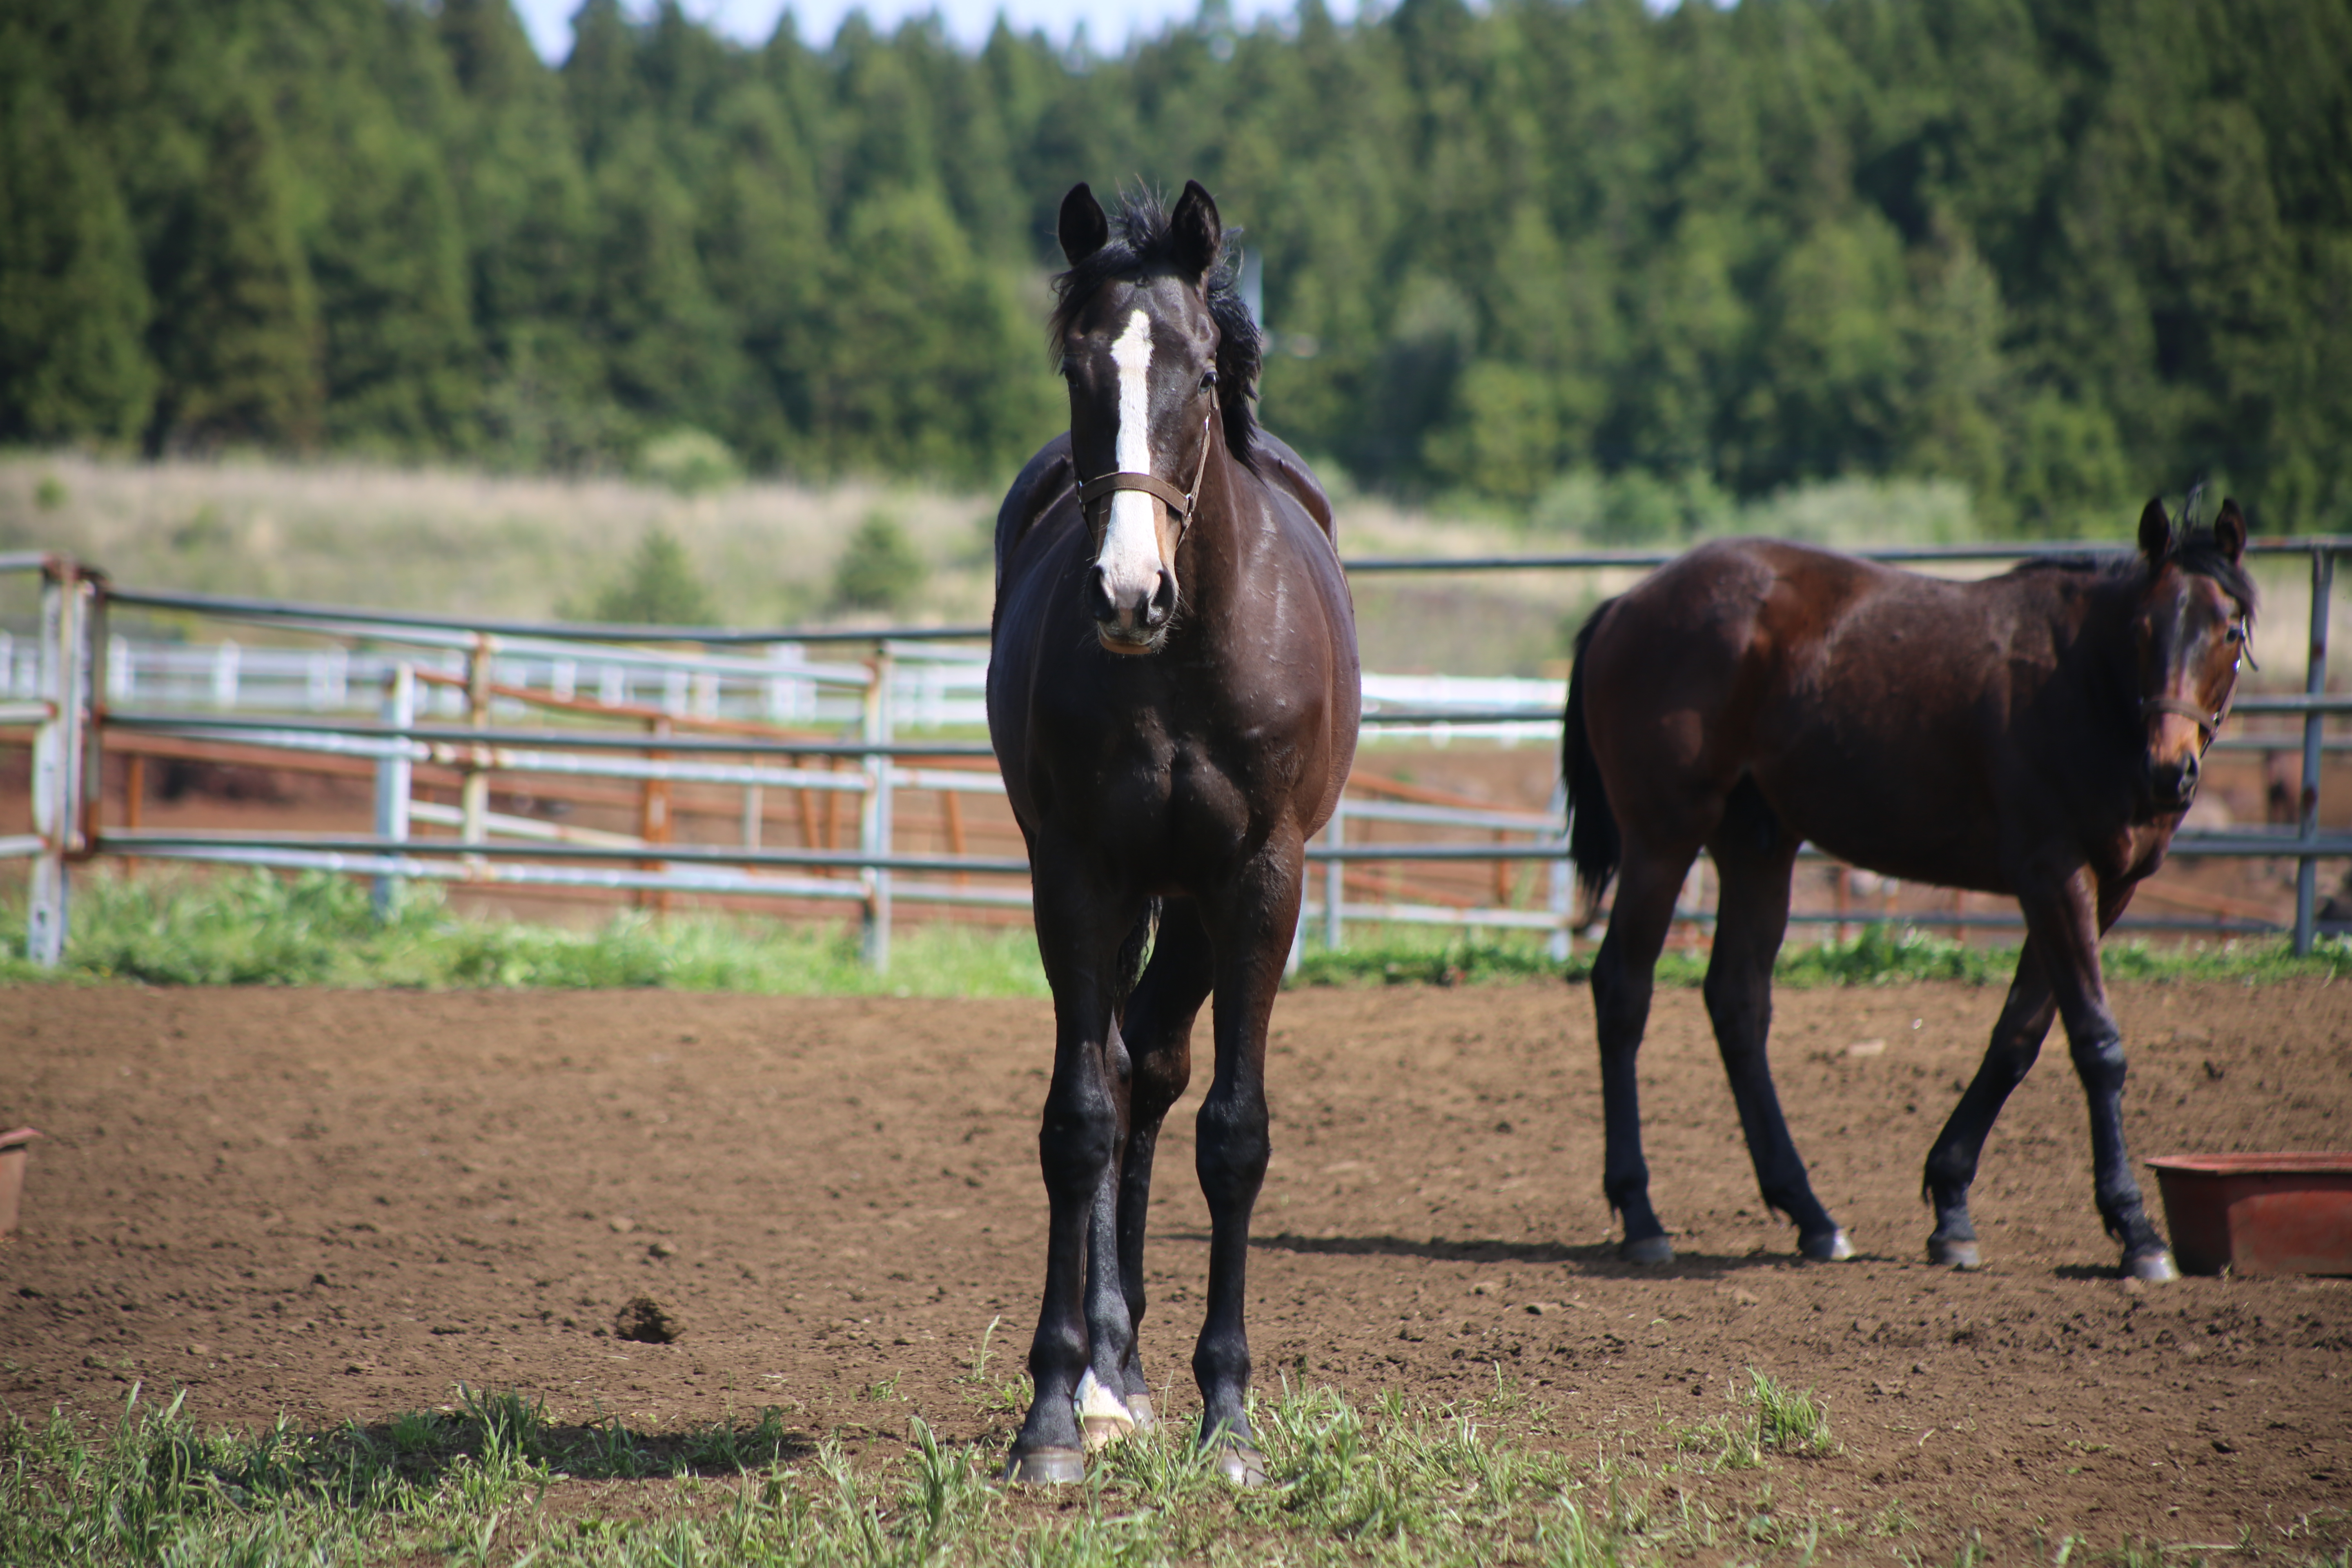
<point>1595,1260</point>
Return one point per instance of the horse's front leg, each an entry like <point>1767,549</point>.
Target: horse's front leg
<point>1157,1029</point>
<point>2064,923</point>
<point>1252,934</point>
<point>2017,1038</point>
<point>1077,1144</point>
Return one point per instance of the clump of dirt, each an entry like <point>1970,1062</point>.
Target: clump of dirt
<point>646,1321</point>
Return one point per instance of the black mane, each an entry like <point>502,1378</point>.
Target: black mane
<point>1140,244</point>
<point>2193,550</point>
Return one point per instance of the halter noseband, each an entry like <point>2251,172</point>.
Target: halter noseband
<point>1180,503</point>
<point>2208,722</point>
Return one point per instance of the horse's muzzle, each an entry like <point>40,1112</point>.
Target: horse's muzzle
<point>1136,623</point>
<point>2172,785</point>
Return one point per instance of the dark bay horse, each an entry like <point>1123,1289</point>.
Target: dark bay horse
<point>1173,694</point>
<point>2037,734</point>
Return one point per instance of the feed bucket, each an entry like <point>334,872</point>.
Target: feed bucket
<point>2258,1214</point>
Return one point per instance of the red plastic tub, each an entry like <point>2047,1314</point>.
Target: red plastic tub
<point>2258,1214</point>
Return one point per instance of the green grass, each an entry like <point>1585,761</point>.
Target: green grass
<point>1879,955</point>
<point>256,927</point>
<point>496,1478</point>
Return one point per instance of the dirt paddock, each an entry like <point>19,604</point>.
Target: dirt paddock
<point>341,1204</point>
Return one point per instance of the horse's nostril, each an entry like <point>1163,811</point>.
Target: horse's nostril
<point>1163,599</point>
<point>1099,595</point>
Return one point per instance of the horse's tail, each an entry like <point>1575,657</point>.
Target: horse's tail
<point>1592,841</point>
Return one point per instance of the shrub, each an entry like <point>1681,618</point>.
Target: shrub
<point>878,570</point>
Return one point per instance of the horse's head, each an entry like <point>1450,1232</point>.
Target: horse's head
<point>1145,323</point>
<point>2191,628</point>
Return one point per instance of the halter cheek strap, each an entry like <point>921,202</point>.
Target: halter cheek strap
<point>2209,723</point>
<point>1180,503</point>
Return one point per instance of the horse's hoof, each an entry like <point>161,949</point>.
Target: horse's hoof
<point>1240,1464</point>
<point>1831,1247</point>
<point>1103,1416</point>
<point>1650,1250</point>
<point>1953,1253</point>
<point>1138,1406</point>
<point>1046,1468</point>
<point>2156,1266</point>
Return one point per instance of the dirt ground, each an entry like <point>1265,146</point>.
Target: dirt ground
<point>341,1204</point>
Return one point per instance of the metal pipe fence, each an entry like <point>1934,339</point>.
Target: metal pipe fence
<point>651,709</point>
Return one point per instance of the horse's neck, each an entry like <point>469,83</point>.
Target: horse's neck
<point>1234,505</point>
<point>2091,638</point>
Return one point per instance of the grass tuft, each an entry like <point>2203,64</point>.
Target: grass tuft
<point>1790,1422</point>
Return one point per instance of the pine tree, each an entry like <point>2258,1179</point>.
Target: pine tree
<point>73,306</point>
<point>238,331</point>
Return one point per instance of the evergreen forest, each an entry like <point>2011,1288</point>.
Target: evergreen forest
<point>2065,252</point>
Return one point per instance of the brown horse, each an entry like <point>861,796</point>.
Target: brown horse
<point>1173,697</point>
<point>2037,734</point>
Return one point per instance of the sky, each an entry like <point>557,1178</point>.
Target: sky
<point>1108,23</point>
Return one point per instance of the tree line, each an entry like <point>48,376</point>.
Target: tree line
<point>2065,251</point>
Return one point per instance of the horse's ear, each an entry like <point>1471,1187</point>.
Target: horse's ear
<point>2230,530</point>
<point>1199,233</point>
<point>1083,229</point>
<point>2155,530</point>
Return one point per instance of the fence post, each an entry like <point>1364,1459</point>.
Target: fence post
<point>1562,944</point>
<point>226,657</point>
<point>95,672</point>
<point>395,770</point>
<point>654,817</point>
<point>57,764</point>
<point>1297,956</point>
<point>474,794</point>
<point>2315,684</point>
<point>874,816</point>
<point>1335,877</point>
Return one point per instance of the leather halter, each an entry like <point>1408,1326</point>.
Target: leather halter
<point>1180,503</point>
<point>2208,722</point>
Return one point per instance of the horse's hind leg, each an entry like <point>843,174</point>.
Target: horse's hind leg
<point>1158,1034</point>
<point>1755,856</point>
<point>1623,972</point>
<point>2017,1038</point>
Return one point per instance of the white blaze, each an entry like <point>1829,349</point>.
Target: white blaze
<point>1130,549</point>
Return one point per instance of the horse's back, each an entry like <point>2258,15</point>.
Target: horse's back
<point>1044,480</point>
<point>1840,686</point>
<point>1286,471</point>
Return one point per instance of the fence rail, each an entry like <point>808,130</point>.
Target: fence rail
<point>650,709</point>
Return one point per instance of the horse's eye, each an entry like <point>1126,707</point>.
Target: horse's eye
<point>1208,381</point>
<point>2236,633</point>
